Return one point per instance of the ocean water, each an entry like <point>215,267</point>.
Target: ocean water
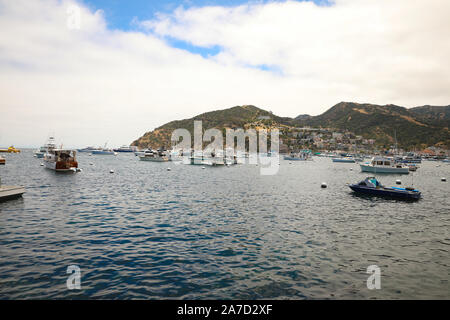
<point>143,232</point>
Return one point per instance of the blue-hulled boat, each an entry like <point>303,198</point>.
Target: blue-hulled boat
<point>371,186</point>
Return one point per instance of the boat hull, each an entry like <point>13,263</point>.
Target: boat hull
<point>397,193</point>
<point>372,169</point>
<point>343,160</point>
<point>61,166</point>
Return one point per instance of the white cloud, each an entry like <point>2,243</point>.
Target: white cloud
<point>95,85</point>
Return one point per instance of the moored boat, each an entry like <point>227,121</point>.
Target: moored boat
<point>40,152</point>
<point>125,149</point>
<point>62,160</point>
<point>371,186</point>
<point>104,151</point>
<point>2,160</point>
<point>384,165</point>
<point>87,149</point>
<point>10,150</point>
<point>155,156</point>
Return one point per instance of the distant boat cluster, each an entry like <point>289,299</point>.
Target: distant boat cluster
<point>65,160</point>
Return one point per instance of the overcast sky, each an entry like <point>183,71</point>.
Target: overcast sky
<point>132,67</point>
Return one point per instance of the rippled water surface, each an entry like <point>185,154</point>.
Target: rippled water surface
<point>219,233</point>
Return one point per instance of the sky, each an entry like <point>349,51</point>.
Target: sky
<point>92,72</point>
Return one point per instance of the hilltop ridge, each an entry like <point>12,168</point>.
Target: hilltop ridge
<point>417,127</point>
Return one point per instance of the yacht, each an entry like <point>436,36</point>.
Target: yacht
<point>384,165</point>
<point>40,152</point>
<point>87,149</point>
<point>104,151</point>
<point>155,156</point>
<point>125,149</point>
<point>62,160</point>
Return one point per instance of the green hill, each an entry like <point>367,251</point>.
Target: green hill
<point>418,127</point>
<point>235,117</point>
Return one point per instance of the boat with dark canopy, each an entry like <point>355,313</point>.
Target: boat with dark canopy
<point>371,186</point>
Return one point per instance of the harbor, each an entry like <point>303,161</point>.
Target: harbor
<point>143,225</point>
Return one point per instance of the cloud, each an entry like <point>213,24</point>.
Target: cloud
<point>93,85</point>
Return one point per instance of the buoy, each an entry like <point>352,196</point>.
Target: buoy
<point>438,165</point>
<point>203,167</point>
<point>168,169</point>
<point>91,164</point>
<point>351,169</point>
<point>111,171</point>
<point>443,179</point>
<point>79,169</point>
<point>323,185</point>
<point>398,181</point>
<point>42,164</point>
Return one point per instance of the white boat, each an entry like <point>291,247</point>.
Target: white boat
<point>62,160</point>
<point>384,165</point>
<point>87,149</point>
<point>104,151</point>
<point>40,152</point>
<point>155,156</point>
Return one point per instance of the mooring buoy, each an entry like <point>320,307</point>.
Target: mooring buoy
<point>323,185</point>
<point>443,179</point>
<point>111,171</point>
<point>398,181</point>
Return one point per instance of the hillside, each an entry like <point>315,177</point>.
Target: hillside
<point>418,127</point>
<point>235,117</point>
<point>436,115</point>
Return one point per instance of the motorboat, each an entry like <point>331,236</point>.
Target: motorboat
<point>87,149</point>
<point>40,153</point>
<point>125,149</point>
<point>104,151</point>
<point>371,186</point>
<point>2,160</point>
<point>61,160</point>
<point>10,150</point>
<point>384,165</point>
<point>155,156</point>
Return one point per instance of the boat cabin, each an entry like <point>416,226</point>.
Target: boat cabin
<point>384,162</point>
